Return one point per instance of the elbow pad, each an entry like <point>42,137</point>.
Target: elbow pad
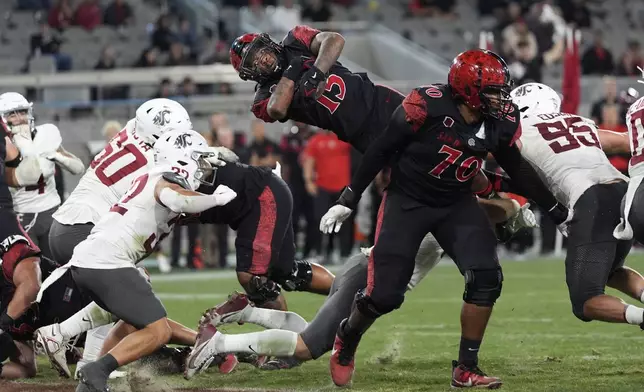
<point>73,165</point>
<point>31,168</point>
<point>183,203</point>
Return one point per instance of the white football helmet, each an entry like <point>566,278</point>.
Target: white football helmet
<point>14,102</point>
<point>536,98</point>
<point>183,152</point>
<point>157,116</point>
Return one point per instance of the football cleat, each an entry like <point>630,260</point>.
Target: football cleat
<point>203,352</point>
<point>226,362</point>
<point>51,342</point>
<point>342,361</point>
<point>231,311</point>
<point>472,377</point>
<point>91,380</point>
<point>281,364</point>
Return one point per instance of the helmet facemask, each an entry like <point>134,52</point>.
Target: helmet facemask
<point>496,100</point>
<point>20,116</point>
<point>205,173</point>
<point>261,60</point>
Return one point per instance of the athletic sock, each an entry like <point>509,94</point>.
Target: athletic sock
<point>90,317</point>
<point>107,363</point>
<point>275,319</point>
<point>273,342</point>
<point>634,315</point>
<point>468,353</point>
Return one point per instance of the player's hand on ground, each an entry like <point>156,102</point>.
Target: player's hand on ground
<point>332,220</point>
<point>224,195</point>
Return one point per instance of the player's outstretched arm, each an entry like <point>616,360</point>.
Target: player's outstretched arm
<point>179,199</point>
<point>68,161</point>
<point>22,171</point>
<point>614,142</point>
<point>397,135</point>
<point>528,183</point>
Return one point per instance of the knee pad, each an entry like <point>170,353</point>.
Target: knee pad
<point>367,306</point>
<point>300,278</point>
<point>262,290</point>
<point>483,287</point>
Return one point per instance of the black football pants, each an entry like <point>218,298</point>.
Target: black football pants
<point>462,230</point>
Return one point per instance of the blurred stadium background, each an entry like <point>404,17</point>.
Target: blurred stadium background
<point>87,64</point>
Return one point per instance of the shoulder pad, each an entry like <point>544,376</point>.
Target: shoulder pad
<point>47,138</point>
<point>176,179</point>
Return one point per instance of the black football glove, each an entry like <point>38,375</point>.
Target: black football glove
<point>294,69</point>
<point>311,81</point>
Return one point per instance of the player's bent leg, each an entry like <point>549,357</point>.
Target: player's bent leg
<point>129,296</point>
<point>262,291</point>
<point>94,342</point>
<point>628,281</point>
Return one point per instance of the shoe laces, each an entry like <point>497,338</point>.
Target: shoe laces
<point>476,370</point>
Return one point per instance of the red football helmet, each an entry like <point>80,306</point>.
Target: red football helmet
<point>256,57</point>
<point>481,79</point>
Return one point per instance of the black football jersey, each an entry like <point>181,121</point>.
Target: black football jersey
<point>247,181</point>
<point>343,108</point>
<point>438,166</point>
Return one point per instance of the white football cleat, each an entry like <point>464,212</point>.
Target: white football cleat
<point>204,350</point>
<point>51,341</point>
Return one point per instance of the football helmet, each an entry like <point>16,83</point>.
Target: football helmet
<point>15,104</point>
<point>160,115</point>
<point>481,80</point>
<point>256,57</point>
<point>183,152</point>
<point>536,98</point>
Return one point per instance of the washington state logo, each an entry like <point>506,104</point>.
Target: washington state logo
<point>161,118</point>
<point>183,140</point>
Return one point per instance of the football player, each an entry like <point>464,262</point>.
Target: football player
<point>568,153</point>
<point>300,79</point>
<point>34,205</point>
<point>103,266</point>
<point>443,133</point>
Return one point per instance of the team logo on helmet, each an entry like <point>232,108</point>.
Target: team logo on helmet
<point>183,141</point>
<point>161,118</point>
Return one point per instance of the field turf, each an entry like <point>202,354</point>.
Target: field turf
<point>533,343</point>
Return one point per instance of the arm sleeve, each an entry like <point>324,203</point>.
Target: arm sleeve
<point>190,204</point>
<point>526,180</point>
<point>397,135</point>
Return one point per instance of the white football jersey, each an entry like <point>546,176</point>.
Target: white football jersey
<point>125,158</point>
<point>42,196</point>
<point>129,231</point>
<point>565,150</point>
<point>635,124</point>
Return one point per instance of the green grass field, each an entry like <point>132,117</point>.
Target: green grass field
<point>533,343</point>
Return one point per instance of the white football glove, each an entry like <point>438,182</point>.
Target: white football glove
<point>523,218</point>
<point>278,170</point>
<point>224,195</point>
<point>332,220</point>
<point>564,227</point>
